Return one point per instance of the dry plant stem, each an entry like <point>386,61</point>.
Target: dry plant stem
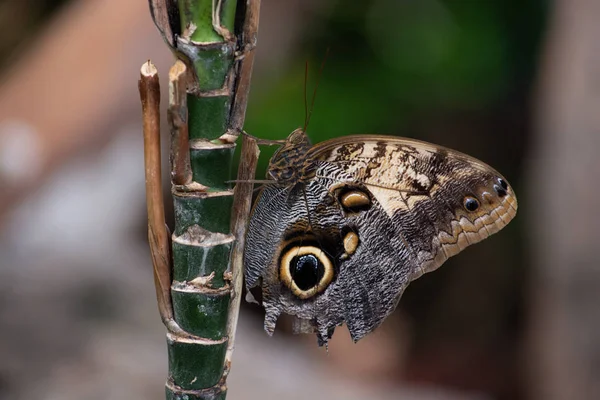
<point>158,236</point>
<point>214,69</point>
<point>165,18</point>
<point>246,56</point>
<point>242,204</point>
<point>181,170</point>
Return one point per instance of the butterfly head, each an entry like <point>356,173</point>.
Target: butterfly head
<point>285,167</point>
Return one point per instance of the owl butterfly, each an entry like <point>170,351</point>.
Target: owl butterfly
<point>347,224</point>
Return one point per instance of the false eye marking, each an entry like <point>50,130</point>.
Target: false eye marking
<point>350,243</point>
<point>503,183</point>
<point>471,203</point>
<point>355,201</point>
<point>499,191</point>
<point>501,188</point>
<point>352,199</point>
<point>305,270</point>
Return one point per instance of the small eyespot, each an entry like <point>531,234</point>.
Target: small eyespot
<point>501,192</point>
<point>305,270</point>
<point>351,242</point>
<point>503,183</point>
<point>354,200</point>
<point>471,204</point>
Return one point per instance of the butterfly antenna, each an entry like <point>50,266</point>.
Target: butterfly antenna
<point>305,96</point>
<point>307,111</point>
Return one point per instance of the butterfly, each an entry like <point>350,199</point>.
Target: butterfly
<point>342,227</point>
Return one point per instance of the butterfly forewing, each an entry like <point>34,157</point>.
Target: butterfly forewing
<point>423,188</point>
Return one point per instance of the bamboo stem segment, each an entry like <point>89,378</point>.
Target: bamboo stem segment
<point>208,94</point>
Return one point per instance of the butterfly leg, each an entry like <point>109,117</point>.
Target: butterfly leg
<point>265,142</point>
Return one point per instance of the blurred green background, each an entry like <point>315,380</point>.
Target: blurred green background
<point>411,68</point>
<point>455,73</point>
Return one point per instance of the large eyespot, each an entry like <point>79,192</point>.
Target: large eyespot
<point>471,203</point>
<point>306,270</point>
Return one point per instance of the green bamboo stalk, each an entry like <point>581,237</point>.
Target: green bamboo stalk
<point>208,91</point>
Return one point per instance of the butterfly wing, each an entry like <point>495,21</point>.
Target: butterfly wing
<point>423,188</point>
<point>379,212</point>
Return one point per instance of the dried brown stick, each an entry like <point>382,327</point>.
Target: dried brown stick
<point>158,235</point>
<point>177,114</point>
<point>242,201</point>
<point>242,89</point>
<point>164,19</point>
<point>242,204</point>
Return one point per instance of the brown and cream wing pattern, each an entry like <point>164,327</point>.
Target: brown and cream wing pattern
<point>348,223</point>
<point>440,200</point>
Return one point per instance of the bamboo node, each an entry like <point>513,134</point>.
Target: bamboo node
<point>195,286</point>
<point>191,187</point>
<point>203,281</point>
<point>203,144</point>
<point>189,338</point>
<point>197,236</point>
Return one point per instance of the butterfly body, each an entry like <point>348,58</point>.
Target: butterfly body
<point>348,223</point>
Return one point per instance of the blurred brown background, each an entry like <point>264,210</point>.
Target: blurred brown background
<point>514,83</point>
